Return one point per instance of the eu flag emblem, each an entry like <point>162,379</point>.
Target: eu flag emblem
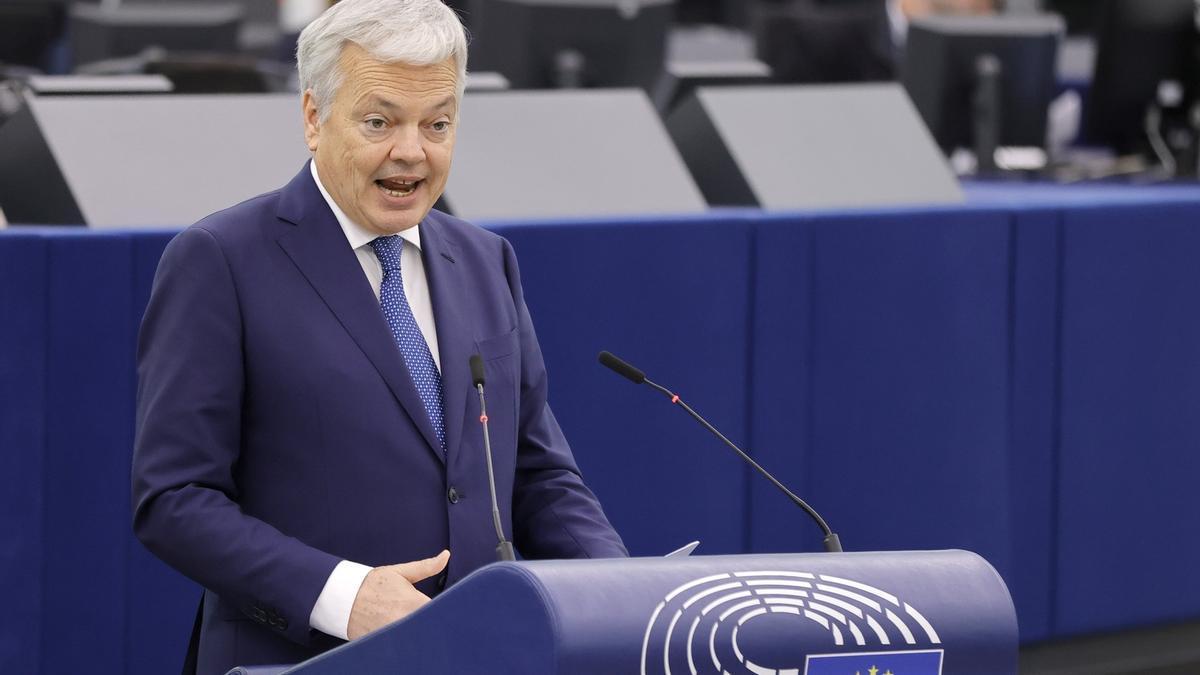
<point>924,662</point>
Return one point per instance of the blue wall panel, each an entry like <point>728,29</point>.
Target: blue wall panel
<point>1129,512</point>
<point>1022,383</point>
<point>23,326</point>
<point>781,412</point>
<point>910,380</point>
<point>672,298</point>
<point>1033,459</point>
<point>906,376</point>
<point>89,432</point>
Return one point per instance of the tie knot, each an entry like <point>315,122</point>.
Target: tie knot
<point>387,249</point>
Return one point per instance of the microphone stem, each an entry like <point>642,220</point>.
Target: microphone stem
<point>831,541</point>
<point>504,550</point>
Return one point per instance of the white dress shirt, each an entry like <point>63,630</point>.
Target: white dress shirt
<point>331,614</point>
<point>897,22</point>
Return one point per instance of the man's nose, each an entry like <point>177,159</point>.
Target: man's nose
<point>406,146</point>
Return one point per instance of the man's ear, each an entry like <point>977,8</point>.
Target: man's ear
<point>312,120</point>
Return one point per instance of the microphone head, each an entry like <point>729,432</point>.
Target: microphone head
<point>608,360</point>
<point>476,370</point>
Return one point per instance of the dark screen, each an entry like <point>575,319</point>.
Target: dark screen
<point>525,40</point>
<point>1140,43</point>
<point>940,74</point>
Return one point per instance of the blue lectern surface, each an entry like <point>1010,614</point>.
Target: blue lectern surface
<point>916,613</point>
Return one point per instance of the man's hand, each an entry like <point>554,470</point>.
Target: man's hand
<point>387,594</point>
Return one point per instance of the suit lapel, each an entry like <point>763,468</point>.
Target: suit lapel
<point>318,247</point>
<point>455,337</point>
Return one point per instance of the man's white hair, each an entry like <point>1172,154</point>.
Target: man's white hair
<point>414,32</point>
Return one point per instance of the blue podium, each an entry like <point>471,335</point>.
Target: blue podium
<point>905,613</point>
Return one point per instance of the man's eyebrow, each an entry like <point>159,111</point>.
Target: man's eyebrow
<point>381,102</point>
<point>445,102</point>
<point>377,101</point>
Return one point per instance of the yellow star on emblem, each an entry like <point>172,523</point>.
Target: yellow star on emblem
<point>873,671</point>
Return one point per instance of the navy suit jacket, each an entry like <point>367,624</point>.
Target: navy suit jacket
<point>279,431</point>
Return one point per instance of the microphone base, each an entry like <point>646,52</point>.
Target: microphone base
<point>832,543</point>
<point>504,551</point>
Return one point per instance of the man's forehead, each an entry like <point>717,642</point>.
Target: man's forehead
<point>355,60</point>
<point>368,79</point>
<point>377,99</point>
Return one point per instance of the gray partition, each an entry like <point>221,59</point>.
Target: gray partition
<point>545,154</point>
<point>153,161</point>
<point>145,161</point>
<point>814,146</point>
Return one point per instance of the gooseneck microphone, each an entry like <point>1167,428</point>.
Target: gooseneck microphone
<point>504,550</point>
<point>832,543</point>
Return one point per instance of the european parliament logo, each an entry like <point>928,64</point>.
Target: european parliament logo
<point>757,622</point>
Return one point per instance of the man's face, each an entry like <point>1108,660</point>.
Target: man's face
<point>384,152</point>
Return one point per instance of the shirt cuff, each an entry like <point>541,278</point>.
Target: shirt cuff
<point>331,614</point>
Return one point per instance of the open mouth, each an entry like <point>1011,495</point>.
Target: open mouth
<point>398,188</point>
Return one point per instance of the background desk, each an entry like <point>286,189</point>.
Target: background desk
<point>1019,377</point>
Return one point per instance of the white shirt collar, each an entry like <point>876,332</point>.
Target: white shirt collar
<point>898,23</point>
<point>356,234</point>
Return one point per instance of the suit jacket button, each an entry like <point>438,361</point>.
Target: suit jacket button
<point>452,495</point>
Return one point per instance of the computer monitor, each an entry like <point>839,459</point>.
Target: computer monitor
<point>101,32</point>
<point>983,81</point>
<point>1080,15</point>
<point>824,42</point>
<point>1141,44</point>
<point>28,29</point>
<point>540,44</point>
<point>728,13</point>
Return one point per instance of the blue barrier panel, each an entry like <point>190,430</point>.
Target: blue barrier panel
<point>901,370</point>
<point>161,602</point>
<point>784,273</point>
<point>89,430</point>
<point>1032,448</point>
<point>1046,196</point>
<point>1128,514</point>
<point>883,394</point>
<point>672,298</point>
<point>23,326</point>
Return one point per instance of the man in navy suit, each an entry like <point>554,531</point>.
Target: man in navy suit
<point>308,445</point>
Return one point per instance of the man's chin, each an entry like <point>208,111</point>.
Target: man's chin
<point>393,228</point>
<point>391,219</point>
<point>386,225</point>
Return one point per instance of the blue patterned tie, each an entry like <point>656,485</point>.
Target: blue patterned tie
<point>408,335</point>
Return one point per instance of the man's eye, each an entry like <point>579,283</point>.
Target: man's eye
<point>441,126</point>
<point>376,123</point>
